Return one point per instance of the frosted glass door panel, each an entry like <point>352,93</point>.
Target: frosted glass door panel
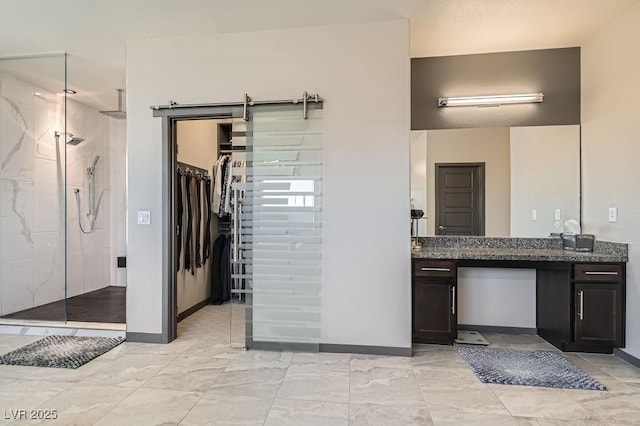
<point>278,229</point>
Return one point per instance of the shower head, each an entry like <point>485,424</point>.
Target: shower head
<point>119,113</point>
<point>95,161</point>
<point>75,141</point>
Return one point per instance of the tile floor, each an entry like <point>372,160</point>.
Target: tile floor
<point>199,380</point>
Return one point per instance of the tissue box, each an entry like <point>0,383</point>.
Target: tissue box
<point>578,242</point>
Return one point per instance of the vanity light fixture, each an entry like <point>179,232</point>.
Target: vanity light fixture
<point>491,100</point>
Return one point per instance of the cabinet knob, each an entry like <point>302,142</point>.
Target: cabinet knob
<point>441,227</point>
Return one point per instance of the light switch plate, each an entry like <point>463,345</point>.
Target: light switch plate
<point>144,218</point>
<point>534,214</point>
<point>558,214</point>
<point>613,214</point>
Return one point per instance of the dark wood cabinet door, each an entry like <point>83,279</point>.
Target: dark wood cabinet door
<point>598,316</point>
<point>434,311</point>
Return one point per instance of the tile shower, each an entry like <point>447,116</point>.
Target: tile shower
<point>36,174</point>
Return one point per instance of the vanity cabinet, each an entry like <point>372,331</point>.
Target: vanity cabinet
<point>580,306</point>
<point>434,301</point>
<point>598,293</point>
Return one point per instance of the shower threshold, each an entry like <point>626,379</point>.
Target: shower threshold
<point>59,324</point>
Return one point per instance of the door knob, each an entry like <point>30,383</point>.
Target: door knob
<point>441,227</point>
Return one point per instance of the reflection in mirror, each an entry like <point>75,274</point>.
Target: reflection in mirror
<point>529,187</point>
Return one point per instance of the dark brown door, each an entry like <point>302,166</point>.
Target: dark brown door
<point>459,199</point>
<point>598,317</point>
<point>434,311</point>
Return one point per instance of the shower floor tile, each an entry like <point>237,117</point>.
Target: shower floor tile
<point>104,305</point>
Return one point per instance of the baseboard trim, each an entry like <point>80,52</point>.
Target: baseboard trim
<point>498,329</point>
<point>366,350</point>
<point>277,346</point>
<point>145,337</point>
<point>627,357</point>
<point>192,310</point>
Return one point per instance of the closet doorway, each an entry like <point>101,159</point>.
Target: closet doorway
<point>201,225</point>
<point>243,221</point>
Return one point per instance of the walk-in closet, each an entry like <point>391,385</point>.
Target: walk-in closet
<point>203,205</point>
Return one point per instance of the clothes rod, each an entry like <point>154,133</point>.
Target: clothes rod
<point>192,168</point>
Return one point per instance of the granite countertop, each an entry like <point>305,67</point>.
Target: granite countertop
<point>540,255</point>
<point>505,248</point>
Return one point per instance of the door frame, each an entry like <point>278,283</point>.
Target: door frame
<point>171,114</point>
<point>169,209</point>
<point>481,193</point>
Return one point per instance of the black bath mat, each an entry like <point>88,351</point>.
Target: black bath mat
<point>61,351</point>
<point>526,368</point>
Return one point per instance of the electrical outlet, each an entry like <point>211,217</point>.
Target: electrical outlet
<point>558,214</point>
<point>613,214</point>
<point>534,214</point>
<point>144,218</point>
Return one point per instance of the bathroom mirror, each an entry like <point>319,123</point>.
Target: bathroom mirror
<point>496,181</point>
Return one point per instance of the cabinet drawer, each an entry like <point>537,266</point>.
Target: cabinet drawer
<point>597,272</point>
<point>434,268</point>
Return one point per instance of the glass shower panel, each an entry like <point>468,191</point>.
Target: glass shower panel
<point>278,231</point>
<point>95,194</point>
<point>32,183</point>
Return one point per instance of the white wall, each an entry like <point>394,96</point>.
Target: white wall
<point>497,297</point>
<point>611,147</point>
<point>363,73</point>
<point>545,176</point>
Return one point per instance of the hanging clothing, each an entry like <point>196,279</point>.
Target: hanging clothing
<point>225,270</point>
<point>227,193</point>
<point>207,230</point>
<point>193,228</point>
<point>219,173</point>
<point>216,270</point>
<point>188,244</point>
<point>198,219</point>
<point>179,226</point>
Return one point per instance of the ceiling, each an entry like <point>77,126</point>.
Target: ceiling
<point>457,27</point>
<point>94,33</point>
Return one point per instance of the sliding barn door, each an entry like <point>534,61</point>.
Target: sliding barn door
<point>277,228</point>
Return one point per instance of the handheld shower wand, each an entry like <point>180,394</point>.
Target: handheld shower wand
<point>91,171</point>
<point>94,208</point>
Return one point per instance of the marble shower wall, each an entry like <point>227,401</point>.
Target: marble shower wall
<point>87,254</point>
<point>32,192</point>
